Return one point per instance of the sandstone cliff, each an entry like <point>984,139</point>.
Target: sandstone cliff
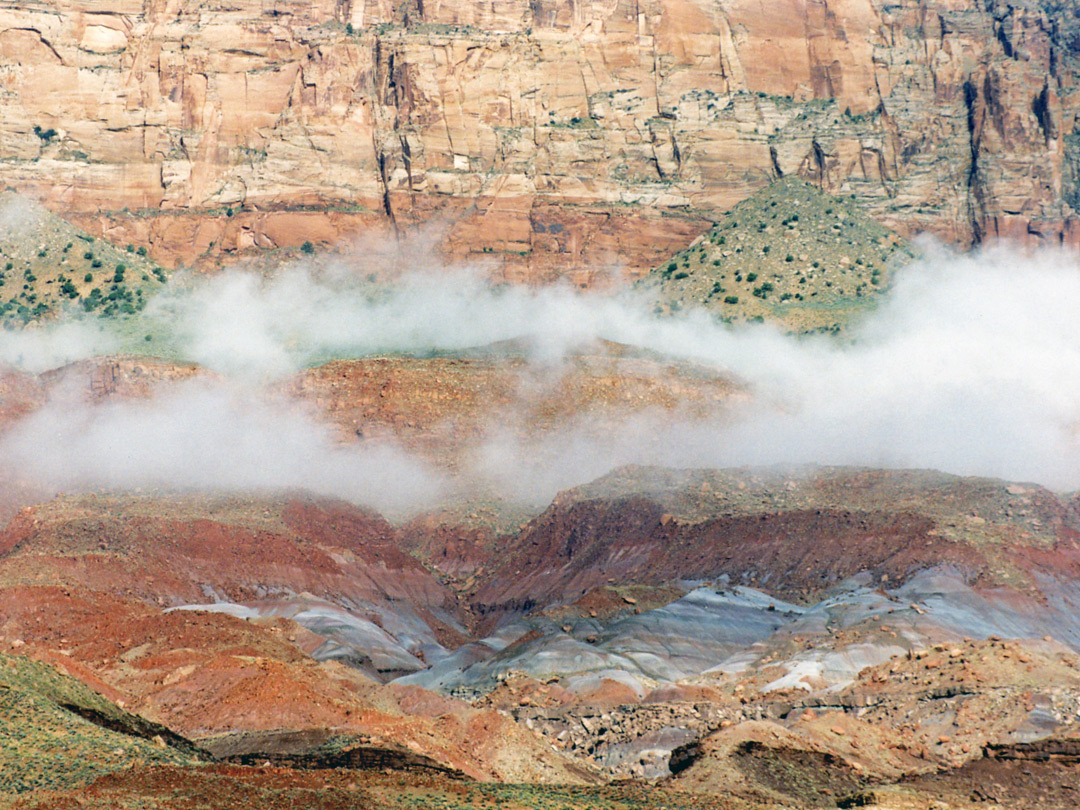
<point>551,137</point>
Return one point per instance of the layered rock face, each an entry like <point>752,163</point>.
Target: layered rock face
<point>551,138</point>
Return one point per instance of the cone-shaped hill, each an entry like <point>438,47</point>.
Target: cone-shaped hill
<point>48,265</point>
<point>791,254</point>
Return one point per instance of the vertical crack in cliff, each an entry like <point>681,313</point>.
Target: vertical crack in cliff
<point>820,162</point>
<point>775,162</point>
<point>387,206</point>
<point>975,122</point>
<point>382,86</point>
<point>732,72</point>
<point>442,106</point>
<point>1041,107</point>
<point>1003,38</point>
<point>656,77</point>
<point>406,158</point>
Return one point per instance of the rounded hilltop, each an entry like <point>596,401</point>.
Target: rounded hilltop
<point>790,253</point>
<point>47,266</point>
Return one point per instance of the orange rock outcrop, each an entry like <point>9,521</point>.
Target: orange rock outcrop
<point>550,137</point>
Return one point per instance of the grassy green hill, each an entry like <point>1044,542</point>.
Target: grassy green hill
<point>57,733</point>
<point>48,267</point>
<point>791,254</point>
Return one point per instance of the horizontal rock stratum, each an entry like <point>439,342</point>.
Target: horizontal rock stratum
<point>549,137</point>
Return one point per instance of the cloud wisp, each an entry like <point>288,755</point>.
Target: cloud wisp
<point>207,435</point>
<point>970,365</point>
